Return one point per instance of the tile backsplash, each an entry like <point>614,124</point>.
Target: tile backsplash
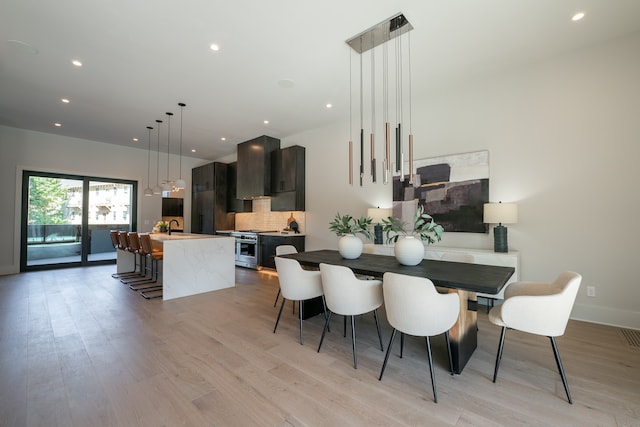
<point>262,218</point>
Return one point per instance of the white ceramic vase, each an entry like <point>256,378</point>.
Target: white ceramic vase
<point>409,250</point>
<point>350,246</point>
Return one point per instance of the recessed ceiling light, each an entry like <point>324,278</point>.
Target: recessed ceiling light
<point>266,122</point>
<point>329,105</point>
<point>76,62</point>
<point>214,47</point>
<point>193,150</point>
<point>223,139</point>
<point>578,16</point>
<point>135,139</point>
<point>65,101</point>
<point>56,124</point>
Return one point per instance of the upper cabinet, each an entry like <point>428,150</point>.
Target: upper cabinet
<point>288,179</point>
<point>209,199</point>
<point>172,206</point>
<point>234,204</point>
<point>254,167</point>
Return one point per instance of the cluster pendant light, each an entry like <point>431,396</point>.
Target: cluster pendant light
<point>167,184</point>
<point>380,35</point>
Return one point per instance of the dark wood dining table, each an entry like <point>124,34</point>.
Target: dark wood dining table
<point>465,279</point>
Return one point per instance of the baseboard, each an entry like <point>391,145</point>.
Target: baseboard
<point>606,316</point>
<point>9,269</point>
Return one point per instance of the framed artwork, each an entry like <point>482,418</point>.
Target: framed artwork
<point>453,190</point>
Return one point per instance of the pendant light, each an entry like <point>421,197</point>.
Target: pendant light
<point>180,184</point>
<point>382,34</point>
<point>157,189</point>
<point>149,191</point>
<point>166,184</point>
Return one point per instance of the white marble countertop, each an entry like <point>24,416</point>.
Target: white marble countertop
<point>182,236</point>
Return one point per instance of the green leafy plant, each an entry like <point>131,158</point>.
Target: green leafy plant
<point>346,224</point>
<point>424,228</point>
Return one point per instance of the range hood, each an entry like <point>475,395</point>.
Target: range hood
<point>254,167</point>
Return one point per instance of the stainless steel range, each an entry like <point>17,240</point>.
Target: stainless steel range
<point>247,248</point>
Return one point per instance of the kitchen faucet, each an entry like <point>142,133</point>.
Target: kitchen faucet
<point>169,227</point>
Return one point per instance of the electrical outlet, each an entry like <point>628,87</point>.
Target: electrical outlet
<point>591,291</point>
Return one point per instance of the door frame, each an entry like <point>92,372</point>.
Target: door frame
<point>24,213</point>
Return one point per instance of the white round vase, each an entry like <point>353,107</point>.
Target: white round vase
<point>409,250</point>
<point>350,246</point>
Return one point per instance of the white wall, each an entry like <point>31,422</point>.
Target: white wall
<point>27,150</point>
<point>563,138</point>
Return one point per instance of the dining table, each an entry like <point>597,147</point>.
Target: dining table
<point>465,279</point>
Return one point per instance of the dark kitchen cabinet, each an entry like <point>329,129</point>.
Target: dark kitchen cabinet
<point>172,206</point>
<point>288,179</point>
<point>254,167</point>
<point>269,243</point>
<point>209,199</point>
<point>234,204</point>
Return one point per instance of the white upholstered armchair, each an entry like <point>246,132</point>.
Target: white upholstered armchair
<point>538,308</point>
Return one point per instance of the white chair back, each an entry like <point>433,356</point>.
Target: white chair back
<point>286,249</point>
<point>414,306</point>
<point>297,284</point>
<point>347,295</point>
<point>541,308</point>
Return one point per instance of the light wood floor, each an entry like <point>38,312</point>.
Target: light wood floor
<point>77,348</point>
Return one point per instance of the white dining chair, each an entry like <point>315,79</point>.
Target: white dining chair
<point>284,250</point>
<point>538,308</point>
<point>415,307</point>
<point>299,285</point>
<point>347,295</point>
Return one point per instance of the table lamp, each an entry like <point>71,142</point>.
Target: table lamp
<point>377,215</point>
<point>500,213</point>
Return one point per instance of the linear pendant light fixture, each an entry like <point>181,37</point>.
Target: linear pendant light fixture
<point>180,184</point>
<point>368,40</point>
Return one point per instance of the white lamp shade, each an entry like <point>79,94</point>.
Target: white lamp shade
<point>500,213</point>
<point>180,184</point>
<point>378,214</point>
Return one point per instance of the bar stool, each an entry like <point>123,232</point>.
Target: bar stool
<point>123,245</point>
<point>136,249</point>
<point>154,255</point>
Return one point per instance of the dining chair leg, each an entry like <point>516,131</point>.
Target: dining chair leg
<point>279,313</point>
<point>324,306</point>
<point>344,333</point>
<point>324,330</point>
<point>433,377</point>
<point>300,312</point>
<point>353,342</point>
<point>499,355</point>
<point>446,338</point>
<point>386,356</point>
<point>401,344</point>
<point>560,368</point>
<point>375,316</point>
<point>277,296</point>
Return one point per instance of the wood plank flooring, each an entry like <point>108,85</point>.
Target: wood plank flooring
<point>77,348</point>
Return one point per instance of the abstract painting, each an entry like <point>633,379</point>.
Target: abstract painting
<point>453,190</point>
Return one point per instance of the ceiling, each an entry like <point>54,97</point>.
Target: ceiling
<point>141,58</point>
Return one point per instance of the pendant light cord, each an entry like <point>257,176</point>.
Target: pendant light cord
<point>182,105</point>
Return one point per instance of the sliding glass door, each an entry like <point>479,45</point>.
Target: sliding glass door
<point>67,219</point>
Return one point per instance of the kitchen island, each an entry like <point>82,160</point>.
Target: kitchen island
<point>195,263</point>
<point>192,263</point>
